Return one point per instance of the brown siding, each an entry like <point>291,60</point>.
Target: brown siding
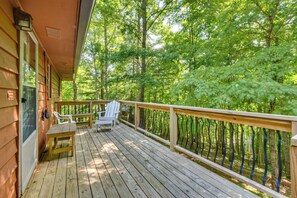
<point>9,81</point>
<point>8,108</point>
<point>44,124</point>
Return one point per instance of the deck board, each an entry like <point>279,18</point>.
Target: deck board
<point>108,186</point>
<point>71,177</point>
<point>171,172</point>
<point>60,181</point>
<point>209,180</point>
<point>125,163</point>
<point>140,179</point>
<point>84,186</point>
<point>125,174</point>
<point>94,179</point>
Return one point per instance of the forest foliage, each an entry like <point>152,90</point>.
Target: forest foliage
<point>239,55</point>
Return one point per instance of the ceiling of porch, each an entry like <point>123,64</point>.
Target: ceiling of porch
<point>61,27</point>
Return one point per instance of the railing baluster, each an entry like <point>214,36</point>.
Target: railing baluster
<point>217,143</point>
<point>162,125</point>
<point>209,139</point>
<point>157,131</point>
<point>254,155</point>
<point>178,127</point>
<point>187,131</point>
<point>202,133</point>
<point>154,120</point>
<point>159,123</point>
<point>280,167</point>
<point>242,149</point>
<point>150,127</point>
<point>232,145</point>
<point>223,144</point>
<point>265,157</point>
<point>182,130</point>
<point>150,116</point>
<point>196,137</point>
<point>168,126</point>
<point>192,135</point>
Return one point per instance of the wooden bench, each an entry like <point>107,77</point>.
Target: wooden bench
<point>90,115</point>
<point>57,132</point>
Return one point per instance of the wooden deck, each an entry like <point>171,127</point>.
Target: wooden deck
<point>125,163</point>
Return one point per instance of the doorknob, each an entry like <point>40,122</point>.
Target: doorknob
<point>23,100</point>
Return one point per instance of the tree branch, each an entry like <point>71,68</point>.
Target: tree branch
<point>260,7</point>
<point>158,13</point>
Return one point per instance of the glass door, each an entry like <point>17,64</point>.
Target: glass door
<point>28,103</point>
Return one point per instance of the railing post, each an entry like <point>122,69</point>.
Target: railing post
<point>293,160</point>
<point>136,116</point>
<point>173,128</point>
<point>91,107</point>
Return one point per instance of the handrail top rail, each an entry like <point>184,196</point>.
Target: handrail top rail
<point>83,101</point>
<point>220,111</point>
<point>201,109</point>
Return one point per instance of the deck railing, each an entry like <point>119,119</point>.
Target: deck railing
<point>254,148</point>
<point>81,107</point>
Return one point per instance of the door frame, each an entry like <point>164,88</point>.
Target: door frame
<point>20,146</point>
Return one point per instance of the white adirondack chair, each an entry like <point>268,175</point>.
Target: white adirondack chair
<point>60,117</point>
<point>111,114</point>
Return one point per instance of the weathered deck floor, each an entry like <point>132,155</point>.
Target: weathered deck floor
<point>124,163</point>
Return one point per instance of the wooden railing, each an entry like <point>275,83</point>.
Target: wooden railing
<point>239,144</point>
<point>81,107</point>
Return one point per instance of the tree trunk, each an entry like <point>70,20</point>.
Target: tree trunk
<point>101,86</point>
<point>105,69</point>
<point>143,57</point>
<point>137,66</point>
<point>138,45</point>
<point>96,78</point>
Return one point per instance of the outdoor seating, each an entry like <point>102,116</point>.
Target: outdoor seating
<point>61,118</point>
<point>110,116</point>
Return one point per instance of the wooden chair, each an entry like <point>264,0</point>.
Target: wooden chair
<point>60,117</point>
<point>111,114</point>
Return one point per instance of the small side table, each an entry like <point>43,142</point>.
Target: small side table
<point>61,131</point>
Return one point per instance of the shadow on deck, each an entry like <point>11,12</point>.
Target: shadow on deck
<point>125,163</point>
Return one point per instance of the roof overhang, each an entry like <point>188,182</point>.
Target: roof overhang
<point>61,26</point>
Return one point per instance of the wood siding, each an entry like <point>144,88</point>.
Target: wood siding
<point>8,107</point>
<point>45,124</point>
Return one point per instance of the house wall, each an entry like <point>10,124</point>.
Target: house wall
<point>9,107</point>
<point>44,99</point>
